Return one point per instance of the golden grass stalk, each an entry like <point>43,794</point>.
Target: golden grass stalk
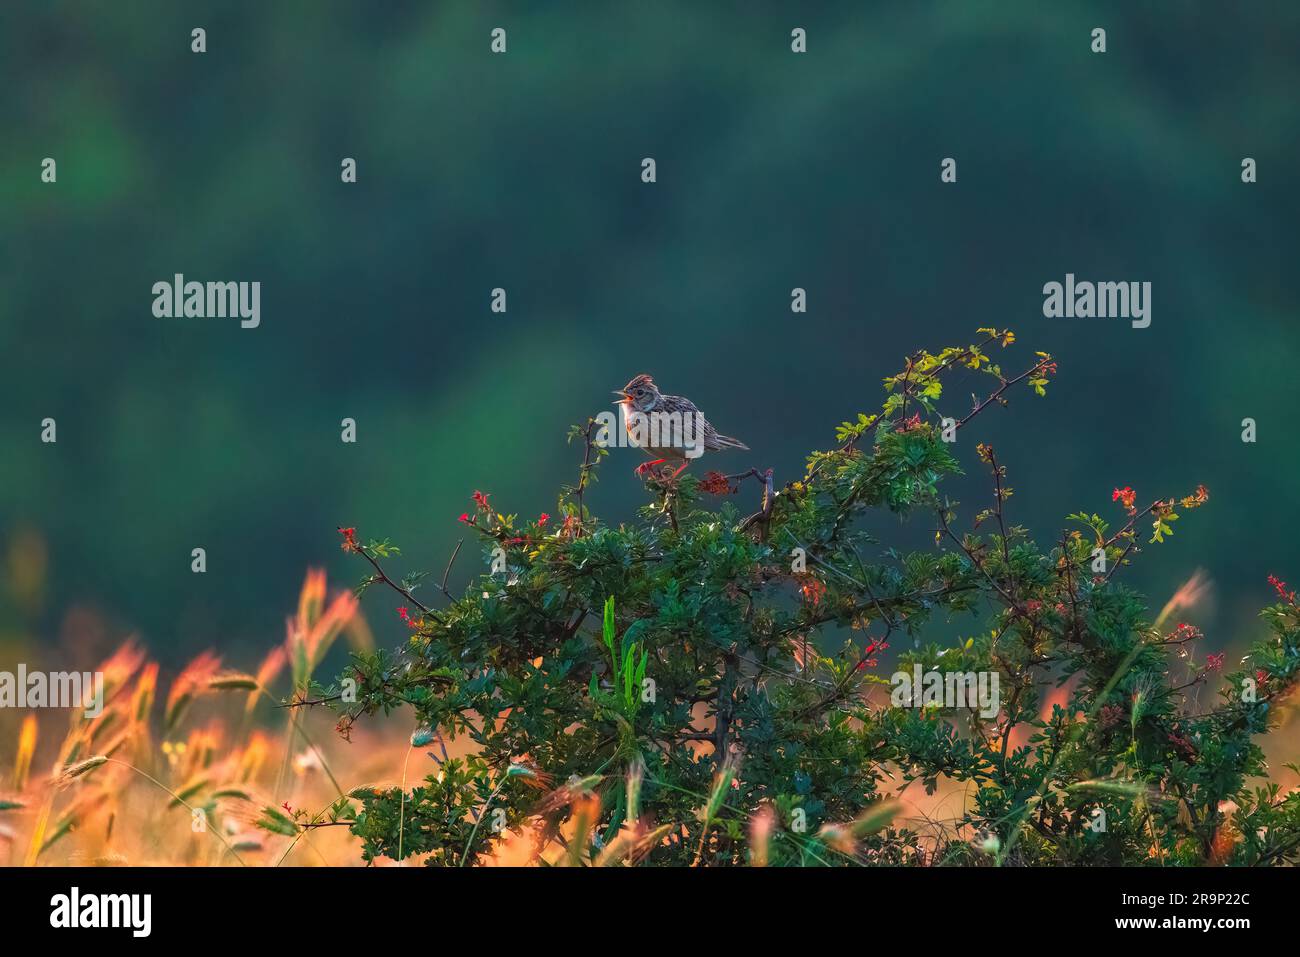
<point>312,632</point>
<point>1192,592</point>
<point>721,783</point>
<point>67,750</point>
<point>253,757</point>
<point>632,843</point>
<point>233,793</point>
<point>70,772</point>
<point>267,672</point>
<point>401,811</point>
<point>104,722</point>
<point>120,667</point>
<point>188,790</point>
<point>844,837</point>
<point>585,814</point>
<point>529,775</point>
<point>760,835</point>
<point>192,679</point>
<point>145,688</point>
<point>717,797</point>
<point>232,681</point>
<point>74,817</point>
<point>635,778</point>
<point>214,831</point>
<point>311,599</point>
<point>26,749</point>
<point>618,848</point>
<point>649,841</point>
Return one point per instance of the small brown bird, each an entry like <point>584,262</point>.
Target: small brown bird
<point>667,426</point>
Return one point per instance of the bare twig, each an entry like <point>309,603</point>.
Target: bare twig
<point>996,394</point>
<point>447,571</point>
<point>382,576</point>
<point>764,514</point>
<point>587,466</point>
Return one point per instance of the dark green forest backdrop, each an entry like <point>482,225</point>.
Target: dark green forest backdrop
<point>522,171</point>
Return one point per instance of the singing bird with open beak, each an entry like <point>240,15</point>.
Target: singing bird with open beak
<point>668,427</point>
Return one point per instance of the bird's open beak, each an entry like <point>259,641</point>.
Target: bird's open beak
<point>622,396</point>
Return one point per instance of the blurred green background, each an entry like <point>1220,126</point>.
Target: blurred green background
<point>522,171</point>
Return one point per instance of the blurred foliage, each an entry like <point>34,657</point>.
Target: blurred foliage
<point>183,769</point>
<point>522,171</point>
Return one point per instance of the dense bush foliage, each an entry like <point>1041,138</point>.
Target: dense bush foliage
<point>702,685</point>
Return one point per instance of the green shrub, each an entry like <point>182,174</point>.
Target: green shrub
<point>701,686</point>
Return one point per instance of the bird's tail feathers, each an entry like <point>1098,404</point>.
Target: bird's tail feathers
<point>727,442</point>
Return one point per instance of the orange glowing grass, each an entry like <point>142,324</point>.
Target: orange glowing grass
<point>26,749</point>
